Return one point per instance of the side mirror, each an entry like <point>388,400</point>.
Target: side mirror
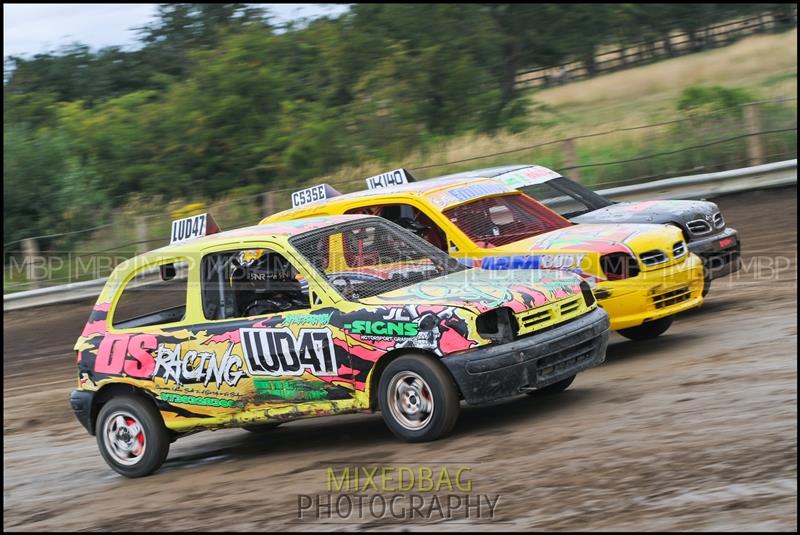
<point>168,271</point>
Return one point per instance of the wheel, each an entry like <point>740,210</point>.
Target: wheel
<point>261,428</point>
<point>554,388</point>
<point>131,436</point>
<point>648,330</point>
<point>418,398</point>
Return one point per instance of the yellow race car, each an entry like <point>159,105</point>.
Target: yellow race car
<point>643,274</point>
<point>261,325</point>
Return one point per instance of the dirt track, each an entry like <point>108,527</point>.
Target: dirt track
<point>696,431</point>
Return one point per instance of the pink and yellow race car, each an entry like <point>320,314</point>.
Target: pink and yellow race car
<point>262,325</point>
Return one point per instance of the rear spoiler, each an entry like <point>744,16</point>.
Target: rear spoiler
<point>192,227</point>
<point>392,178</point>
<point>313,194</point>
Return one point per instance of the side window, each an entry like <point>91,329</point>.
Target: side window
<point>409,218</point>
<point>155,296</point>
<point>251,282</point>
<point>566,205</point>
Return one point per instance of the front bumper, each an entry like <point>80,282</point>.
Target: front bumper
<point>81,403</point>
<point>719,260</point>
<point>535,361</point>
<point>652,294</point>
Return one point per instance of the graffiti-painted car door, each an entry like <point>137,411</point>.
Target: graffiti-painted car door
<point>267,314</point>
<point>200,373</point>
<point>298,362</point>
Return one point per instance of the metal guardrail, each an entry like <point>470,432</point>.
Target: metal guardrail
<point>53,294</point>
<point>709,184</point>
<point>685,187</point>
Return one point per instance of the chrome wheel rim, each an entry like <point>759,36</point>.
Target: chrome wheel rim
<point>125,440</point>
<point>410,400</point>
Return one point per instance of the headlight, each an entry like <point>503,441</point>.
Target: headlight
<point>618,266</point>
<point>497,325</point>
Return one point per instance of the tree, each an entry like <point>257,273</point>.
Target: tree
<point>181,28</point>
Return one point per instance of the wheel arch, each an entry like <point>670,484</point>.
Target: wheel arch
<point>390,356</point>
<point>111,390</point>
<point>682,228</point>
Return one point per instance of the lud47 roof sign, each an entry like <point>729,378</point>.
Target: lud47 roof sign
<point>192,227</point>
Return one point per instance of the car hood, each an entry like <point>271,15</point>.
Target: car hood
<point>602,239</point>
<point>678,212</point>
<point>480,290</point>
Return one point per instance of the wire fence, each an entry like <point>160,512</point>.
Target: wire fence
<point>727,138</point>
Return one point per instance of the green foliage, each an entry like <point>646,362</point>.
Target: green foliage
<point>30,166</point>
<point>45,189</point>
<point>714,98</point>
<point>776,79</point>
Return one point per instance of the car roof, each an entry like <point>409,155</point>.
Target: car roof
<point>284,229</point>
<point>421,189</point>
<point>486,172</point>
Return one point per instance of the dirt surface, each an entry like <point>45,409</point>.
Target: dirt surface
<point>694,431</point>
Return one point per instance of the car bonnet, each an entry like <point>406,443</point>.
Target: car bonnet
<point>481,290</point>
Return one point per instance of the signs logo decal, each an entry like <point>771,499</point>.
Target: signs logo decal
<point>382,328</point>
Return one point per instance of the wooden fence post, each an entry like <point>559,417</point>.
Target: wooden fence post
<point>31,257</point>
<point>752,125</point>
<point>269,203</point>
<point>141,235</point>
<point>668,45</point>
<point>571,160</point>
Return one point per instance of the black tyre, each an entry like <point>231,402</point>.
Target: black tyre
<point>418,398</point>
<point>261,428</point>
<point>554,388</point>
<point>648,330</point>
<point>706,282</point>
<point>131,436</point>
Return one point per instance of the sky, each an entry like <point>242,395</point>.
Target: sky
<point>35,28</point>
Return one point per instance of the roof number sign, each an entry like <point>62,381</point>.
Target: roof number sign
<point>385,180</point>
<point>192,227</point>
<point>308,195</point>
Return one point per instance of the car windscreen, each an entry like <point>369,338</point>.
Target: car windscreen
<point>372,256</point>
<point>566,197</point>
<point>495,221</point>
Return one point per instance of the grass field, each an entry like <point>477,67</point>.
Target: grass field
<point>766,65</point>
